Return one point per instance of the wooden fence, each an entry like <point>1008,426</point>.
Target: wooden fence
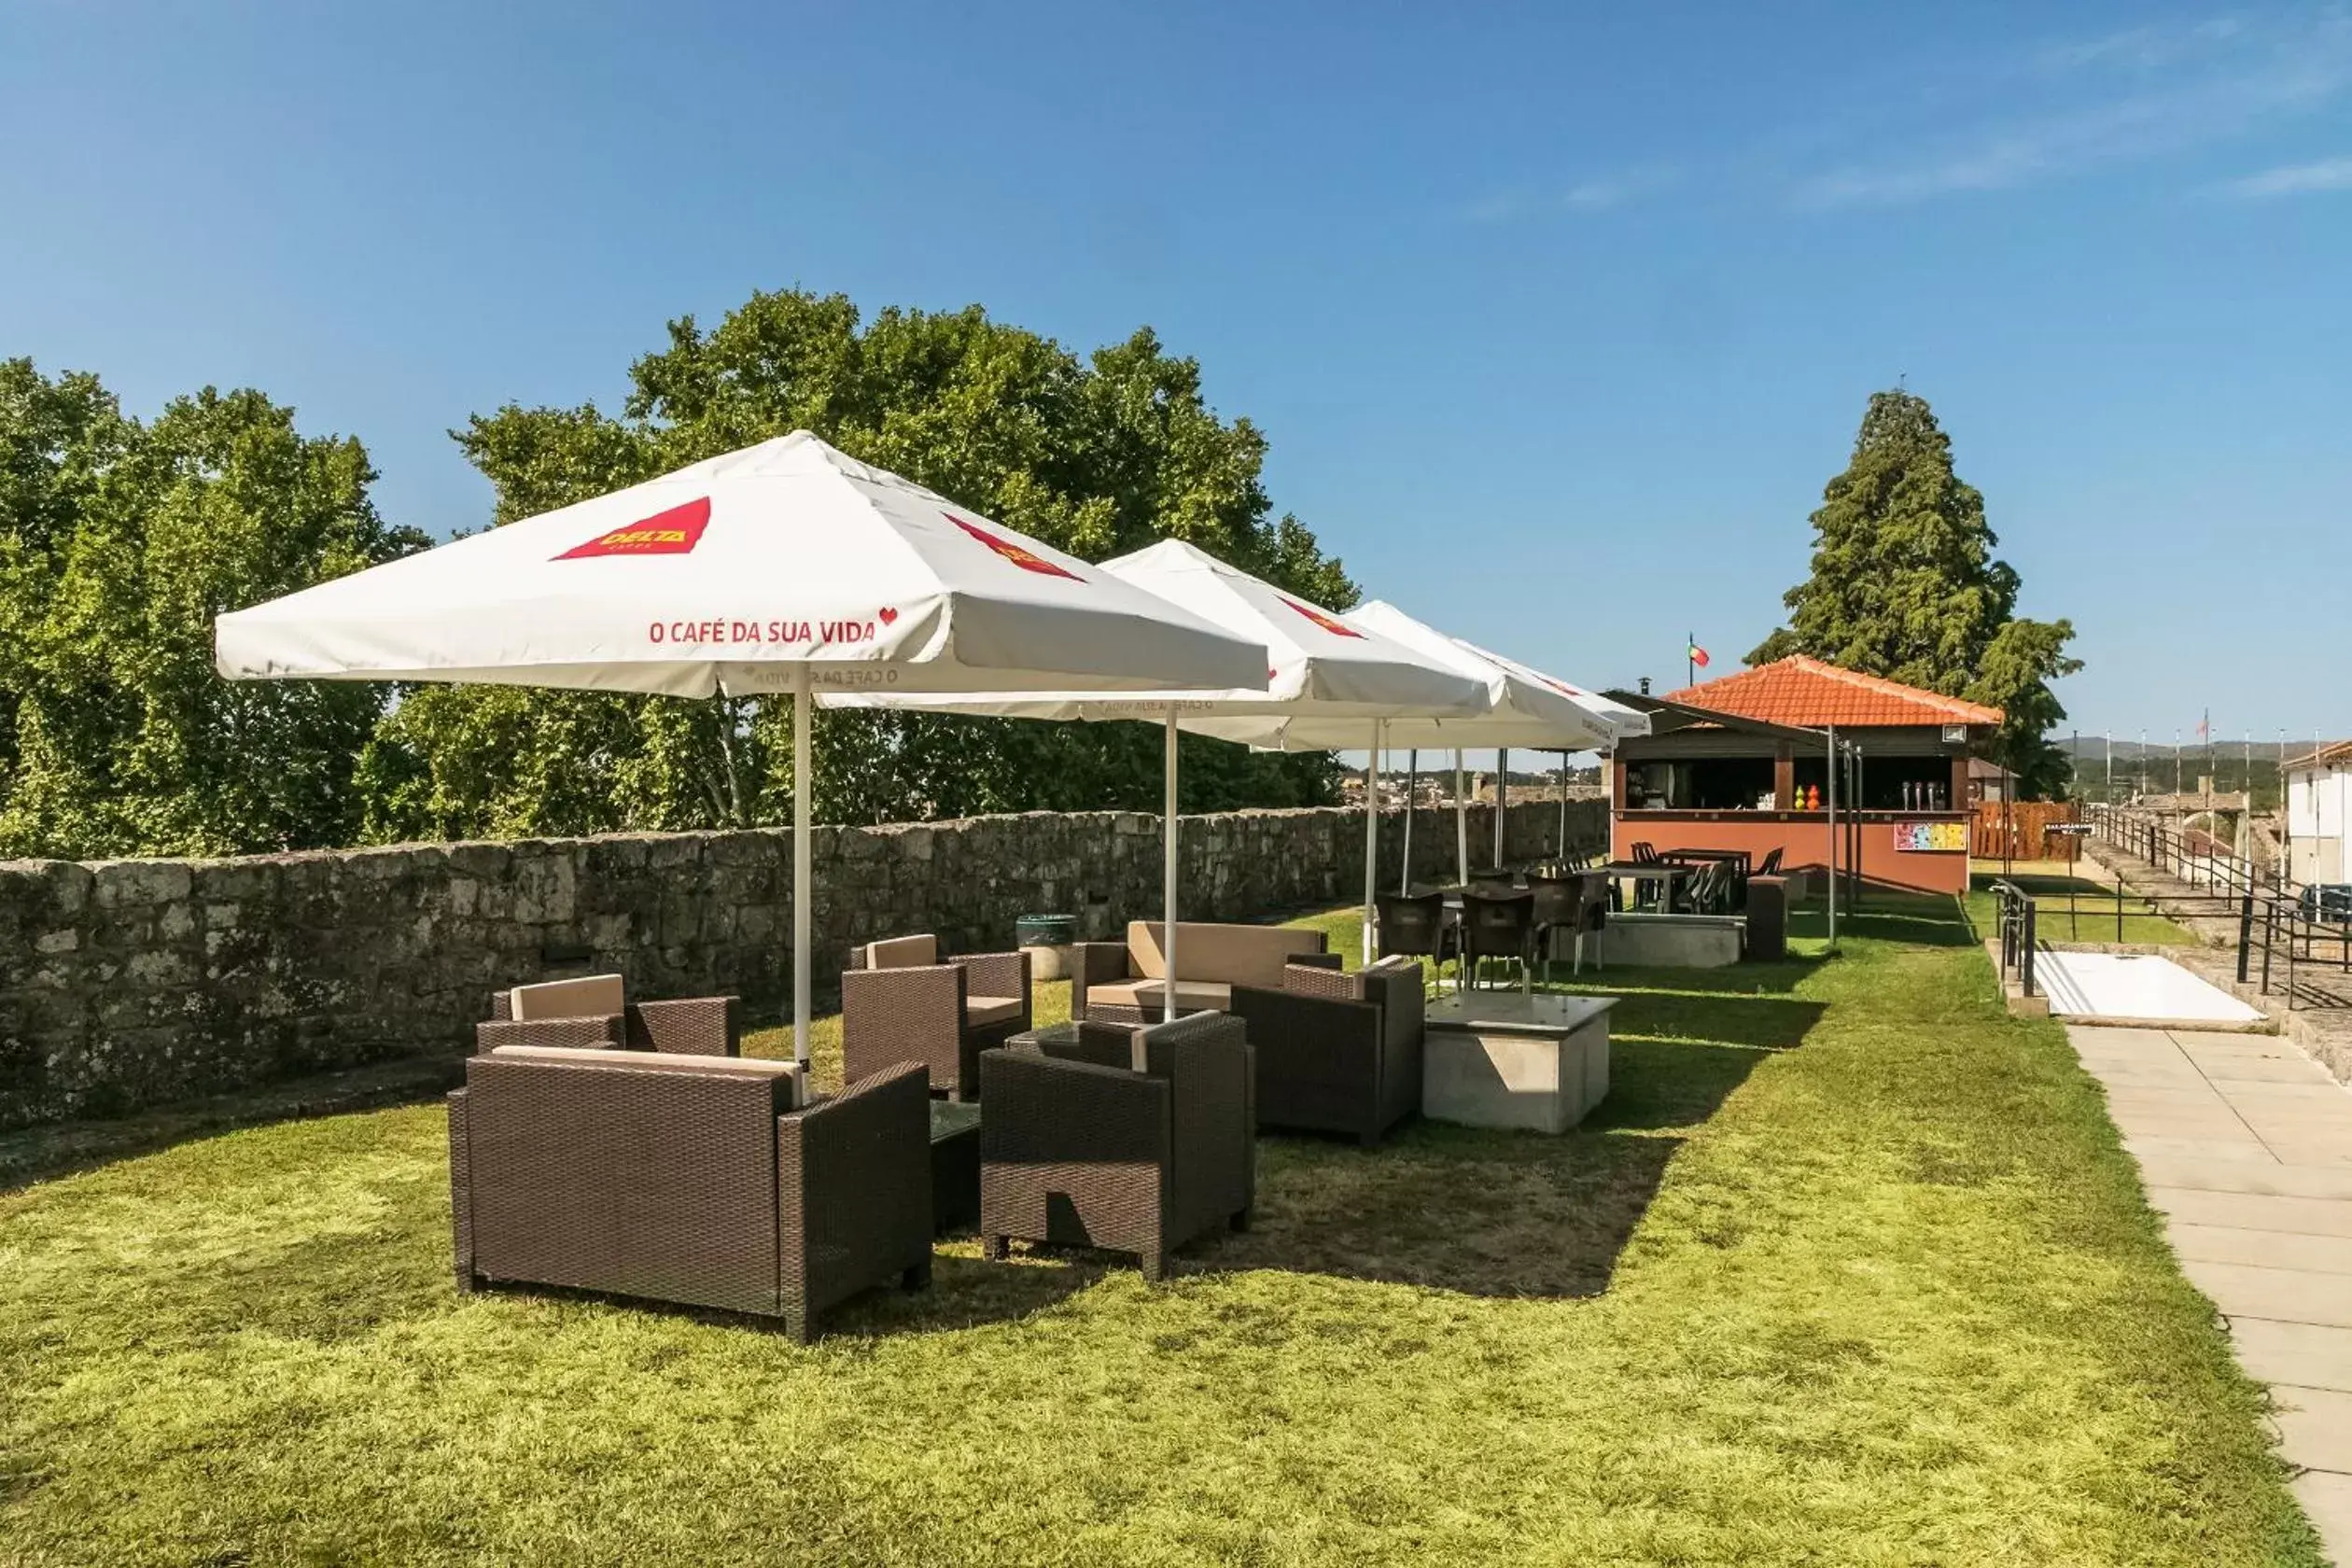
<point>2020,830</point>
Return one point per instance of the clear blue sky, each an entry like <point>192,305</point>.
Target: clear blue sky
<point>1557,320</point>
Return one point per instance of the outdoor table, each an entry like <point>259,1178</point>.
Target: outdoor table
<point>1664,873</point>
<point>954,1164</point>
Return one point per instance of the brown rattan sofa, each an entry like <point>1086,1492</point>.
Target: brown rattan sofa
<point>1131,1139</point>
<point>594,1013</point>
<point>688,1178</point>
<point>902,1001</point>
<point>1121,982</point>
<point>1337,1053</point>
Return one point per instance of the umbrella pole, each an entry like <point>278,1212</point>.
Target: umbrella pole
<point>1371,832</point>
<point>802,859</point>
<point>1832,760</point>
<point>1412,787</point>
<point>1562,852</point>
<point>1168,866</point>
<point>1462,826</point>
<point>1502,796</point>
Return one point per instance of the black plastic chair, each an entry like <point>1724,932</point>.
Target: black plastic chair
<point>1561,904</point>
<point>1496,928</point>
<point>1415,926</point>
<point>1770,865</point>
<point>1704,893</point>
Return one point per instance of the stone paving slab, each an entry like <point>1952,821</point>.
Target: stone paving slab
<point>2315,1429</point>
<point>2263,1248</point>
<point>2245,1147</point>
<point>2312,1355</point>
<point>2327,1497</point>
<point>2247,1176</point>
<point>2301,1216</point>
<point>2158,1151</point>
<point>2304,1296</point>
<point>2257,1069</point>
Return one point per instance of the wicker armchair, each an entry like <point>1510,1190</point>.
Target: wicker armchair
<point>1131,1139</point>
<point>594,1013</point>
<point>688,1178</point>
<point>1338,1053</point>
<point>902,1001</point>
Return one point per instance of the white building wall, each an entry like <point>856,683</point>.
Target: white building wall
<point>2318,806</point>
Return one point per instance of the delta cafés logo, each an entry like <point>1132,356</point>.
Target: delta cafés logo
<point>674,532</point>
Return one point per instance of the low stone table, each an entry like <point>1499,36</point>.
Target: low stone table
<point>1515,1060</point>
<point>1676,941</point>
<point>955,1165</point>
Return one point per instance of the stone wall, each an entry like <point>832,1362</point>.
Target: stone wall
<point>125,983</point>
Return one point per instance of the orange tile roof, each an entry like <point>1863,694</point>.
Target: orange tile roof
<point>1804,691</point>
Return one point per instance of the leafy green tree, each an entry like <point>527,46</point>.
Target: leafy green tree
<point>1097,457</point>
<point>1905,585</point>
<point>118,544</point>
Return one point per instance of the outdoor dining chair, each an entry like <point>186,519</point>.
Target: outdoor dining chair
<point>1416,927</point>
<point>1566,904</point>
<point>1770,865</point>
<point>1696,896</point>
<point>1496,928</point>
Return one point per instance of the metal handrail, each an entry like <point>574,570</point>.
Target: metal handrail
<point>2015,912</point>
<point>2269,909</point>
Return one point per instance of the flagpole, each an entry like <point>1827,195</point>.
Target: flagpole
<point>1690,666</point>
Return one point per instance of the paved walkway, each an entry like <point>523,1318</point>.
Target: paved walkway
<point>2246,1147</point>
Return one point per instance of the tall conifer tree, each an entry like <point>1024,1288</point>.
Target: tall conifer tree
<point>1905,584</point>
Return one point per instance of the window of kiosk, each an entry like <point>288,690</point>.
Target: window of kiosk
<point>1700,784</point>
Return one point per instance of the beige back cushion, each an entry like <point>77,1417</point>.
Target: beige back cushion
<point>660,1061</point>
<point>903,952</point>
<point>593,995</point>
<point>1229,955</point>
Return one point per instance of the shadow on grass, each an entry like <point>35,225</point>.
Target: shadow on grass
<point>46,1153</point>
<point>1485,1213</point>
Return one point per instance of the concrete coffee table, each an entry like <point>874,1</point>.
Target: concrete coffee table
<point>1511,1059</point>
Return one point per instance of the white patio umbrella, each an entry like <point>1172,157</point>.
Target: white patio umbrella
<point>1524,708</point>
<point>1318,664</point>
<point>1622,722</point>
<point>788,566</point>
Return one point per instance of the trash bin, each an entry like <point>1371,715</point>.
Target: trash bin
<point>1767,918</point>
<point>1048,939</point>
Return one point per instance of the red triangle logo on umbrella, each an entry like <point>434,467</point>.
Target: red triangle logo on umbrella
<point>666,533</point>
<point>1331,623</point>
<point>1026,559</point>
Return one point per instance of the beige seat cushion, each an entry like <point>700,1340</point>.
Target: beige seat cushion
<point>1192,996</point>
<point>1228,955</point>
<point>661,1062</point>
<point>593,995</point>
<point>903,952</point>
<point>991,1009</point>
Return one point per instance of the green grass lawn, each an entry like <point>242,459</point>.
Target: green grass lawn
<point>1849,1268</point>
<point>2092,918</point>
